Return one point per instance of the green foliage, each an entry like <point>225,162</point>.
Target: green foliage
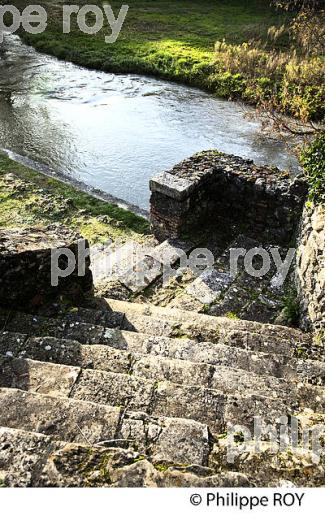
<point>276,79</point>
<point>291,307</point>
<point>232,316</point>
<point>313,161</point>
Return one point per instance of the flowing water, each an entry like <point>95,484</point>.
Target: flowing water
<point>114,132</point>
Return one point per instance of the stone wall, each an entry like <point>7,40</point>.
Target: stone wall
<point>219,189</point>
<point>310,270</point>
<point>25,267</point>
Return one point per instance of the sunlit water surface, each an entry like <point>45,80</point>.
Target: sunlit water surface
<point>114,132</point>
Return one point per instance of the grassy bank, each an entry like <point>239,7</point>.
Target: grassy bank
<point>178,39</point>
<point>28,198</point>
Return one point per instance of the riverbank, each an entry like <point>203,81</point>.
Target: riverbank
<point>198,43</point>
<point>29,198</point>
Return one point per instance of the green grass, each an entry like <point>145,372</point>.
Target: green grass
<point>176,40</point>
<point>29,198</point>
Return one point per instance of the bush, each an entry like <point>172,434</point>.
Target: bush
<point>313,161</point>
<point>294,84</point>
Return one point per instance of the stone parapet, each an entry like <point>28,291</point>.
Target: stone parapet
<point>219,189</point>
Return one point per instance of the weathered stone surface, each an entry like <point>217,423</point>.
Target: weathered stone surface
<point>164,439</point>
<point>200,404</point>
<point>143,274</point>
<point>311,371</point>
<point>63,419</point>
<point>25,266</point>
<point>228,356</point>
<point>235,381</point>
<point>30,459</point>
<point>171,185</point>
<point>84,332</point>
<point>114,389</point>
<point>170,251</point>
<point>269,465</point>
<point>173,322</point>
<point>22,456</point>
<point>241,410</point>
<point>68,352</point>
<point>209,286</point>
<point>218,367</point>
<point>11,342</point>
<point>311,397</point>
<point>34,376</point>
<point>184,441</point>
<point>310,271</point>
<point>114,260</point>
<point>150,266</point>
<point>174,370</point>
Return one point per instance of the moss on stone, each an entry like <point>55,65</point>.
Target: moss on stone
<point>232,316</point>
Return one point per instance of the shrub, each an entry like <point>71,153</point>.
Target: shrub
<point>293,83</point>
<point>313,161</point>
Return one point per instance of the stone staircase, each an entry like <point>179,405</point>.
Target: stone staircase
<point>131,394</point>
<point>156,273</point>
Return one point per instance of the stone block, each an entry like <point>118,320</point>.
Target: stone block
<point>25,266</point>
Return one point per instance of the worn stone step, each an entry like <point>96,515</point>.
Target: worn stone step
<point>170,439</point>
<point>116,389</point>
<point>157,398</point>
<point>64,419</point>
<point>45,378</point>
<point>176,323</point>
<point>260,363</point>
<point>206,324</point>
<point>97,356</point>
<point>127,391</point>
<point>34,460</point>
<point>96,327</point>
<point>219,372</point>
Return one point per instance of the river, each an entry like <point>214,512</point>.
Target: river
<point>114,132</point>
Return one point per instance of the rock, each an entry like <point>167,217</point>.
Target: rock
<point>26,266</point>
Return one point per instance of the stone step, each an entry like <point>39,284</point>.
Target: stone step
<point>159,321</point>
<point>153,397</point>
<point>34,460</point>
<point>129,347</point>
<point>148,366</point>
<point>175,440</point>
<point>157,398</point>
<point>173,322</point>
<point>219,373</point>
